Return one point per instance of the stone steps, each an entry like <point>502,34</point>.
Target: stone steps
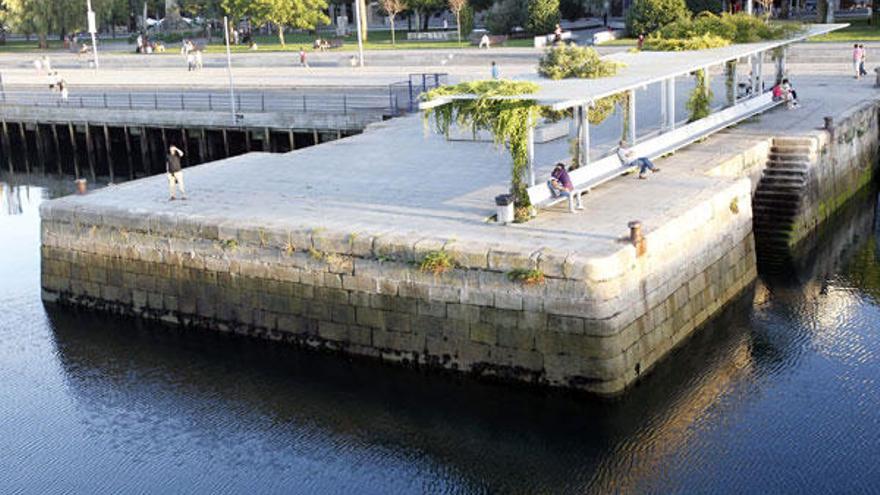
<point>778,197</point>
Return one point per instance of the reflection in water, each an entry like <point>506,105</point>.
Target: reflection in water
<point>775,395</point>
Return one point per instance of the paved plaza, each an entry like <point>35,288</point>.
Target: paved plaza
<point>399,178</point>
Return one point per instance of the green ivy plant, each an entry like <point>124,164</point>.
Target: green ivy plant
<point>700,100</point>
<point>507,119</point>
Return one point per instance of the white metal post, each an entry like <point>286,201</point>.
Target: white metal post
<point>93,28</point>
<point>749,7</point>
<point>357,15</point>
<point>585,135</point>
<point>670,104</point>
<point>229,71</point>
<point>759,81</point>
<point>663,118</point>
<point>632,117</point>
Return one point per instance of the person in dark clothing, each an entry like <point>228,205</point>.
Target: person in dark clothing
<point>560,185</point>
<point>175,173</point>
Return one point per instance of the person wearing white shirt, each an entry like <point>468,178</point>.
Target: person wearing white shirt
<point>628,159</point>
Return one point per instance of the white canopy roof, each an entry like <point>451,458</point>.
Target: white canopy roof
<point>642,68</point>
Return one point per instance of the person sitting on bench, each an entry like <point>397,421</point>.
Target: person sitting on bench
<point>628,159</point>
<point>561,186</point>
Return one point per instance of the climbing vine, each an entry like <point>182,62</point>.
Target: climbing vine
<point>700,100</point>
<point>507,119</point>
<point>730,81</point>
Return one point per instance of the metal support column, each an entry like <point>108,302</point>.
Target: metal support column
<point>125,132</point>
<point>670,104</point>
<point>584,135</point>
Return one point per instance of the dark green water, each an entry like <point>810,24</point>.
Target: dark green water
<point>778,395</point>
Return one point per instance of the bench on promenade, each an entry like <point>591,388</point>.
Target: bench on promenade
<point>597,173</point>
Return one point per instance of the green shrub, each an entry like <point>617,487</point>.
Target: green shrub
<point>543,16</point>
<point>467,20</point>
<point>646,16</point>
<point>563,62</point>
<point>736,28</point>
<point>506,15</point>
<point>698,6</point>
<point>657,44</point>
<point>436,262</point>
<point>571,9</point>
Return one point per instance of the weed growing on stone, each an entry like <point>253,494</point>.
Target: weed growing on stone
<point>289,246</point>
<point>229,245</point>
<point>436,262</point>
<point>526,277</point>
<point>734,206</point>
<point>315,254</point>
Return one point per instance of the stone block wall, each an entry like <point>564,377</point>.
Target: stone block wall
<point>594,324</point>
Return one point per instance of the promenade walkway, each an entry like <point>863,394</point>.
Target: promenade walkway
<point>399,180</point>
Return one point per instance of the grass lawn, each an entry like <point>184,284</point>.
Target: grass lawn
<point>21,46</point>
<point>378,40</point>
<point>858,30</point>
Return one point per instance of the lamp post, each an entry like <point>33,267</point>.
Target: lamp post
<point>93,29</point>
<point>357,15</point>
<point>229,71</point>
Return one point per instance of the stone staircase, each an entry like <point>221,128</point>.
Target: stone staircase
<point>779,196</point>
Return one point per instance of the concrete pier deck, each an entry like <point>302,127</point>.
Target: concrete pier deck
<point>320,247</point>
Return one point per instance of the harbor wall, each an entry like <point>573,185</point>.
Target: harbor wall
<point>594,324</point>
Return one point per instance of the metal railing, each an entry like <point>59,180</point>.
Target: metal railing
<point>245,102</point>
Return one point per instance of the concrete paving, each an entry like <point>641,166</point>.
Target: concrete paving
<point>399,178</point>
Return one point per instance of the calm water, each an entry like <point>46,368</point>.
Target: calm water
<point>779,394</point>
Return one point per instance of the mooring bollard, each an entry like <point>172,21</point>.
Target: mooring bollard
<point>635,236</point>
<point>81,186</point>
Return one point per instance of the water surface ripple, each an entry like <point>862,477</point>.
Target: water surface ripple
<point>777,395</point>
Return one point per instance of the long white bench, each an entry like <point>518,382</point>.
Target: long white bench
<point>596,173</point>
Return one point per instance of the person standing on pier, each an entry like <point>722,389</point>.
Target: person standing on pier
<point>175,173</point>
<point>857,60</point>
<point>303,61</point>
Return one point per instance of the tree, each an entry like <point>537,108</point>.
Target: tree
<point>392,8</point>
<point>506,15</point>
<point>44,17</point>
<point>426,8</point>
<point>455,6</point>
<point>543,16</point>
<point>646,16</point>
<point>300,14</point>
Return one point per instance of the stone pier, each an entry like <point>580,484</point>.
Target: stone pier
<point>324,247</point>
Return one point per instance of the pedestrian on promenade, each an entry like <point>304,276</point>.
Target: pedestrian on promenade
<point>199,61</point>
<point>790,94</point>
<point>628,159</point>
<point>484,41</point>
<point>302,57</point>
<point>494,70</point>
<point>561,186</point>
<point>175,173</point>
<point>191,61</point>
<point>605,19</point>
<point>47,63</point>
<point>862,71</point>
<point>857,60</point>
<point>62,87</point>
